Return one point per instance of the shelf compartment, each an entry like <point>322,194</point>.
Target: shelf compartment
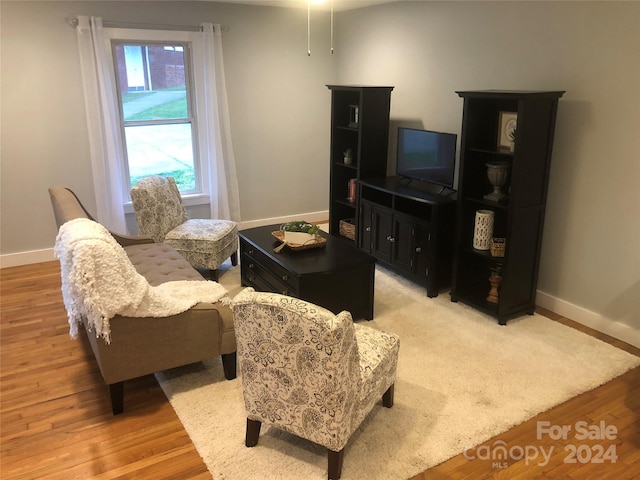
<point>414,208</point>
<point>502,154</point>
<point>345,202</point>
<point>467,223</point>
<point>474,181</point>
<point>482,203</point>
<point>341,164</point>
<point>377,196</point>
<point>342,102</point>
<point>473,287</point>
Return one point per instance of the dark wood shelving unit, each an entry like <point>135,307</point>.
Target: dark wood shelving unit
<point>359,121</point>
<point>520,218</point>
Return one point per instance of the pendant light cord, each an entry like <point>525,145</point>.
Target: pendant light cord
<point>308,28</point>
<point>331,27</point>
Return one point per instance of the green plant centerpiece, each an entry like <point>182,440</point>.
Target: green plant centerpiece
<point>300,232</point>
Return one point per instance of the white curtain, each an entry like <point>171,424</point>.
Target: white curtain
<point>102,122</point>
<point>104,133</point>
<point>223,183</point>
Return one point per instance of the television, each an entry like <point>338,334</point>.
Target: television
<point>427,156</point>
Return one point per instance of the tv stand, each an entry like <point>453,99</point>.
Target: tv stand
<point>422,186</point>
<point>409,229</point>
<point>447,192</point>
<point>405,180</point>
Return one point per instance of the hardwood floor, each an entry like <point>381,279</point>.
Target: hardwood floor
<point>56,419</point>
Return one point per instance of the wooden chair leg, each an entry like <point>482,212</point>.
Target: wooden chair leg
<point>229,365</point>
<point>116,393</point>
<point>234,258</point>
<point>387,398</point>
<point>213,275</point>
<point>335,464</point>
<point>253,432</point>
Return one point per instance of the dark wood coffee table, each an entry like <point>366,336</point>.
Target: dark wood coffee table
<point>337,276</point>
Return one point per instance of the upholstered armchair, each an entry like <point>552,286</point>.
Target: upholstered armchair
<point>309,372</point>
<point>161,215</point>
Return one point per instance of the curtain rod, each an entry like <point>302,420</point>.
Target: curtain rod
<point>186,28</point>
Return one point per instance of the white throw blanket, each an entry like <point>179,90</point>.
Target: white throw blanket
<point>99,282</point>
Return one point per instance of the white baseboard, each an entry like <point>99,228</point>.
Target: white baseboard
<point>26,258</point>
<point>322,216</point>
<point>46,255</point>
<point>602,324</point>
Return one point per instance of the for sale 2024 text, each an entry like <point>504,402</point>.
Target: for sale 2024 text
<point>500,454</point>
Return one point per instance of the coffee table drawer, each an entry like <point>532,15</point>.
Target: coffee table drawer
<point>262,279</point>
<point>253,260</point>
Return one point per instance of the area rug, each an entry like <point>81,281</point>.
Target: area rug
<point>462,379</point>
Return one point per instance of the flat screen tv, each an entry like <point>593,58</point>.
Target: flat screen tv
<point>427,156</point>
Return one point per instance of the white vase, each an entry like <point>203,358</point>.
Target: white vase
<point>483,230</point>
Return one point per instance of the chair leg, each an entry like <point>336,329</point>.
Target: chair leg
<point>234,258</point>
<point>335,464</point>
<point>116,392</point>
<point>213,275</point>
<point>387,397</point>
<point>253,432</point>
<point>229,365</point>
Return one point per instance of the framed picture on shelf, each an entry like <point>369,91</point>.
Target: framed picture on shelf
<point>353,116</point>
<point>506,128</point>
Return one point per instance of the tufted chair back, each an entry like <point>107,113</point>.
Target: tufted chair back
<point>158,206</point>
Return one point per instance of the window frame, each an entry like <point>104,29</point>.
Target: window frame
<point>194,75</point>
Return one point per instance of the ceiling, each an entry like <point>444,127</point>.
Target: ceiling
<point>338,5</point>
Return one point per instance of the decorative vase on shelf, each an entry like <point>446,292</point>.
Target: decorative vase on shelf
<point>494,293</point>
<point>497,173</point>
<point>483,230</point>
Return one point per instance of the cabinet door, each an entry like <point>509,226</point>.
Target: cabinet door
<point>402,242</point>
<point>382,233</point>
<point>422,249</point>
<point>366,227</point>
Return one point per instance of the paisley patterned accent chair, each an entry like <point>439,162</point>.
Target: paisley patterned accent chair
<point>161,215</point>
<point>309,372</point>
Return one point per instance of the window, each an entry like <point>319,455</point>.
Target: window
<point>155,83</point>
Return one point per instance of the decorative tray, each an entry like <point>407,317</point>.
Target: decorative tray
<point>279,234</point>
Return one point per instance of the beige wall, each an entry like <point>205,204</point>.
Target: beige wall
<point>280,113</point>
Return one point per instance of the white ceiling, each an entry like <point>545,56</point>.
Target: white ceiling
<point>338,5</point>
